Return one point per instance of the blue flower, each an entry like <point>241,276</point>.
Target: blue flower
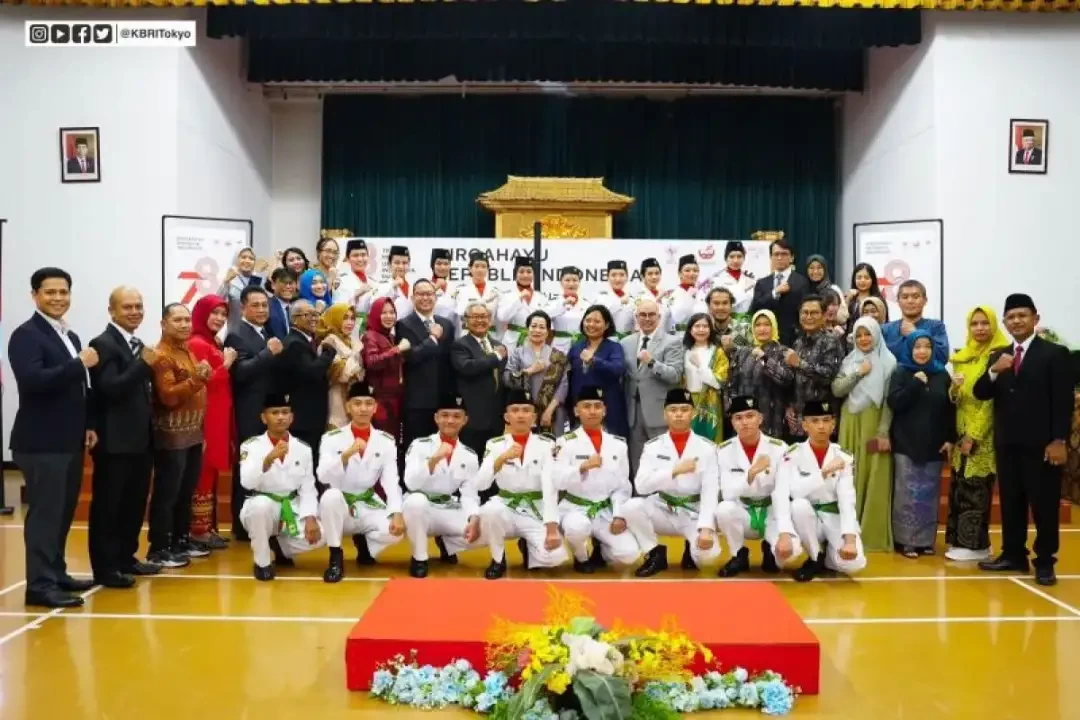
<point>463,665</point>
<point>484,702</point>
<point>495,683</point>
<point>741,675</point>
<point>776,698</point>
<point>382,681</point>
<point>731,693</point>
<point>748,695</point>
<point>471,678</point>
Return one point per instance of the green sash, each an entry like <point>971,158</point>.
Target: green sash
<point>522,332</point>
<point>592,509</point>
<point>759,510</point>
<point>437,499</point>
<point>621,335</point>
<point>528,499</point>
<point>288,515</point>
<point>574,336</point>
<point>681,327</point>
<point>361,321</point>
<point>368,497</point>
<point>674,502</point>
<point>829,507</point>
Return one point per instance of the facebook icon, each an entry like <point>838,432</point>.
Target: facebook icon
<point>80,33</point>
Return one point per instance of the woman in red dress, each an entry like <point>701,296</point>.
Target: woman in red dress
<point>383,364</point>
<point>207,319</point>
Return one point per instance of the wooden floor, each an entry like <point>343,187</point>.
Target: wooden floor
<point>910,639</point>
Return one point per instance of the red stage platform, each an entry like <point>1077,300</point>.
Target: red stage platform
<point>743,623</point>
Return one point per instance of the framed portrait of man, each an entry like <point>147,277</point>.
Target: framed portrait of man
<point>1029,146</point>
<point>80,155</point>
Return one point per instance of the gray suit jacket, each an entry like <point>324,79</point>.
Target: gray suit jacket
<point>652,383</point>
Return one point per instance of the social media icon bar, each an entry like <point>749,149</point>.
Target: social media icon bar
<point>155,33</point>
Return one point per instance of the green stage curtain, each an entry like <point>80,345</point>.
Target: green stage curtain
<point>698,167</point>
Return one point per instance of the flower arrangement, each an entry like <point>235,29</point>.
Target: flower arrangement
<point>570,667</point>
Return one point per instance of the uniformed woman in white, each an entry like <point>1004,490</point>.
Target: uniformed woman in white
<point>592,473</point>
<point>352,287</point>
<point>677,478</point>
<point>475,289</point>
<point>567,309</point>
<point>439,470</point>
<point>277,469</point>
<point>687,299</point>
<point>527,505</point>
<point>819,476</point>
<point>615,297</point>
<point>739,282</point>
<point>353,460</point>
<point>651,275</point>
<point>749,465</point>
<point>516,304</point>
<point>399,286</point>
<point>445,306</point>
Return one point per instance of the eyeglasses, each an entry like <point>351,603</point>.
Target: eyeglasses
<point>648,315</point>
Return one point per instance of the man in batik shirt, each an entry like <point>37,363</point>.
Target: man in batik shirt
<point>815,359</point>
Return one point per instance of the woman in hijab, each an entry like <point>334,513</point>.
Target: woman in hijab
<point>245,271</point>
<point>974,467</point>
<point>876,308</point>
<point>923,430</point>
<point>207,319</point>
<point>817,272</point>
<point>383,364</point>
<point>339,322</point>
<point>314,288</point>
<point>761,373</point>
<point>864,430</point>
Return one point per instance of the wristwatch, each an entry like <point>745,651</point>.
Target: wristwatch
<point>651,363</point>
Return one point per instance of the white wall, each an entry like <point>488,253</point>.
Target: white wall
<point>180,134</point>
<point>296,215</point>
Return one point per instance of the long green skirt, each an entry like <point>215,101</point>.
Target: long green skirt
<point>873,478</point>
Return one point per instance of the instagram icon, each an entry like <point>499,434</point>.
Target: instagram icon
<point>37,33</point>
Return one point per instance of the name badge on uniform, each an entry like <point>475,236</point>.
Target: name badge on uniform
<point>737,470</point>
<point>662,457</point>
<point>803,473</point>
<point>581,457</point>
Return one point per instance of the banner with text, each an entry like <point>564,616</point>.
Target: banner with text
<point>900,251</point>
<point>196,253</point>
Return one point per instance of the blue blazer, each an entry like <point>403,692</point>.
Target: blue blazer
<point>53,412</point>
<point>278,324</point>
<point>605,372</point>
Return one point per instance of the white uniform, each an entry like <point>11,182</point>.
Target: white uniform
<point>430,508</point>
<point>623,312</point>
<point>284,496</point>
<point>680,505</point>
<point>446,307</point>
<point>527,499</point>
<point>749,510</point>
<point>350,505</point>
<point>742,289</point>
<point>822,508</point>
<point>566,320</point>
<point>684,304</point>
<point>466,293</point>
<point>663,301</point>
<point>512,312</point>
<point>590,500</point>
<point>402,301</point>
<point>345,288</point>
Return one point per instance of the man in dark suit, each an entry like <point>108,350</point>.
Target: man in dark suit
<point>52,427</point>
<point>123,458</point>
<point>302,373</point>
<point>252,380</point>
<point>1029,154</point>
<point>781,291</point>
<point>81,164</point>
<point>427,365</point>
<point>479,363</point>
<point>1031,385</point>
<point>283,281</point>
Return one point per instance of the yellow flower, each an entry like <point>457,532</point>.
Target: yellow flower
<point>707,654</point>
<point>558,682</point>
<point>526,673</point>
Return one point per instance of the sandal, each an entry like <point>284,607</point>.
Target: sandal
<point>926,551</point>
<point>910,552</point>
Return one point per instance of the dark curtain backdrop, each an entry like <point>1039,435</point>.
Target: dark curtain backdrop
<point>698,168</point>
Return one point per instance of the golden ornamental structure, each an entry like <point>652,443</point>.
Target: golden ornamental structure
<point>567,208</point>
<point>768,235</point>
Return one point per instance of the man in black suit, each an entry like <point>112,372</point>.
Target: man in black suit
<point>1029,154</point>
<point>427,365</point>
<point>252,379</point>
<point>52,427</point>
<point>1031,385</point>
<point>781,291</point>
<point>81,164</point>
<point>283,283</point>
<point>479,363</point>
<point>302,373</point>
<point>123,458</point>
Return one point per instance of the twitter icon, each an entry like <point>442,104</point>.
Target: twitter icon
<point>103,34</point>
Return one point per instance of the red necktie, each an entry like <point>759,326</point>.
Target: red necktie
<point>1027,158</point>
<point>1018,358</point>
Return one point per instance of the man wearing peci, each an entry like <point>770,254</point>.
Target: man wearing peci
<point>781,291</point>
<point>123,458</point>
<point>1032,388</point>
<point>81,164</point>
<point>1029,154</point>
<point>52,427</point>
<point>252,379</point>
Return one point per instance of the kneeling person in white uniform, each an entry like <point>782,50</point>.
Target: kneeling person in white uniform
<point>749,465</point>
<point>353,460</point>
<point>677,475</point>
<point>819,476</point>
<point>592,473</point>
<point>527,506</point>
<point>277,468</point>
<point>437,468</point>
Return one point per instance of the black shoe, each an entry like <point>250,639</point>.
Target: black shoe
<point>192,549</point>
<point>738,564</point>
<point>115,580</point>
<point>524,548</point>
<point>54,599</point>
<point>1004,564</point>
<point>280,558</point>
<point>7,510</point>
<point>808,571</point>
<point>1045,576</point>
<point>336,571</point>
<point>217,542</point>
<point>363,555</point>
<point>495,570</point>
<point>687,559</point>
<point>655,561</point>
<point>444,555</point>
<point>418,568</point>
<point>583,566</point>
<point>141,568</point>
<point>768,560</point>
<point>239,534</point>
<point>72,585</point>
<point>166,559</point>
<point>264,573</point>
<point>596,558</point>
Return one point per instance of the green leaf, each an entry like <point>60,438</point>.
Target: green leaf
<point>584,626</point>
<point>602,697</point>
<point>528,693</point>
<point>649,708</point>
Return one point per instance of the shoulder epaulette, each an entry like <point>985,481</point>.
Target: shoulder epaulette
<point>620,438</point>
<point>335,431</point>
<point>495,439</point>
<point>385,434</point>
<point>293,437</point>
<point>776,441</point>
<point>466,448</point>
<point>425,439</point>
<point>546,438</point>
<point>724,444</point>
<point>649,442</point>
<point>791,448</point>
<point>250,440</point>
<point>570,435</point>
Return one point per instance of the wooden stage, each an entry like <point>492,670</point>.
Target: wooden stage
<point>922,639</point>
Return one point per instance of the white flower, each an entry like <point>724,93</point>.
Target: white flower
<point>589,654</point>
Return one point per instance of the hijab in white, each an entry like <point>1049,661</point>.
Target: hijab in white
<point>871,389</point>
